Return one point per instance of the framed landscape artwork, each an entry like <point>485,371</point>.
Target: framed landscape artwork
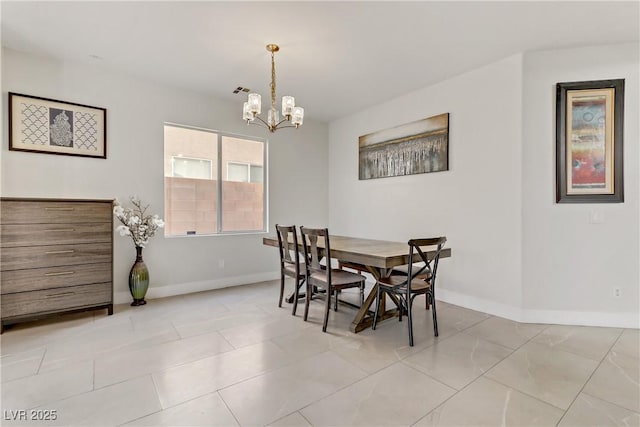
<point>56,127</point>
<point>589,126</point>
<point>412,148</point>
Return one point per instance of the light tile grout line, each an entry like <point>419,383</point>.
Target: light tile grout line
<point>520,391</point>
<point>155,387</point>
<point>162,409</point>
<point>479,376</point>
<point>563,351</point>
<point>44,353</point>
<point>54,402</point>
<point>610,403</point>
<point>300,360</point>
<point>303,417</point>
<point>227,406</point>
<point>591,376</point>
<point>369,374</point>
<point>485,372</point>
<point>217,391</point>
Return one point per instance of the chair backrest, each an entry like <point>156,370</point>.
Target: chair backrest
<point>314,252</point>
<point>417,254</point>
<point>286,234</point>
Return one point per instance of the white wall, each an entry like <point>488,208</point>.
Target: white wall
<point>515,252</point>
<point>136,111</point>
<point>570,266</point>
<point>476,203</point>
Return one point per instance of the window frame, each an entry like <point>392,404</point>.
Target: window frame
<point>265,183</point>
<point>248,165</point>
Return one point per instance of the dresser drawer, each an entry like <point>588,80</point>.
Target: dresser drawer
<point>24,257</point>
<point>36,279</point>
<point>52,300</point>
<point>53,234</point>
<point>53,212</point>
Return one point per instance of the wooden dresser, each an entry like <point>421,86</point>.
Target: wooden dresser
<point>56,256</point>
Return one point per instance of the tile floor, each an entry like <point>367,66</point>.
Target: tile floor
<point>232,357</point>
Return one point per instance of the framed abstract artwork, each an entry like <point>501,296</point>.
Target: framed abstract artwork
<point>589,127</point>
<point>50,126</point>
<point>412,148</point>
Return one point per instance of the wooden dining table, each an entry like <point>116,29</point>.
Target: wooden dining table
<point>377,257</point>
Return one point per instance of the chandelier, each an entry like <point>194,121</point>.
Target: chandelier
<point>253,107</point>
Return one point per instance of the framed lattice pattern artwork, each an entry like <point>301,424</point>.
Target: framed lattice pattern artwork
<point>50,126</point>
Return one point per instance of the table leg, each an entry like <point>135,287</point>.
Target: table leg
<point>364,319</point>
<point>303,294</point>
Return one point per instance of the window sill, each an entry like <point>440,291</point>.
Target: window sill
<point>231,233</point>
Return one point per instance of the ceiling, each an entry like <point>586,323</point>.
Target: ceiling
<point>336,58</point>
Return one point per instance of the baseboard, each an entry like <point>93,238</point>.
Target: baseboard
<point>582,318</point>
<point>479,304</point>
<point>199,286</point>
<point>518,314</point>
<point>555,317</point>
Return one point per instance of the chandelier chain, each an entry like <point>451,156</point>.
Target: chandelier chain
<point>273,80</point>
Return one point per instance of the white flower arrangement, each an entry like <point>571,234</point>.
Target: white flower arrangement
<point>136,223</point>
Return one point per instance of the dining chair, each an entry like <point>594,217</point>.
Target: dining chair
<point>403,270</point>
<point>290,266</point>
<point>420,280</point>
<point>323,276</point>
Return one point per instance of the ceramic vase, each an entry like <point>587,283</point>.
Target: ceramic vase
<point>138,279</point>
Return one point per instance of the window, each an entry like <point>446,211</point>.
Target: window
<point>185,167</point>
<point>256,174</point>
<point>244,172</point>
<point>214,182</point>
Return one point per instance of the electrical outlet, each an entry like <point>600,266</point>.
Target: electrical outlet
<point>616,292</point>
<point>596,217</point>
<point>221,263</point>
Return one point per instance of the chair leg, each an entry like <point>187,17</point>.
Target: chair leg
<point>426,301</point>
<point>435,318</point>
<point>410,322</point>
<point>307,300</point>
<point>362,295</point>
<point>335,302</point>
<point>400,308</point>
<point>327,308</point>
<point>296,293</point>
<point>281,289</point>
<point>375,313</point>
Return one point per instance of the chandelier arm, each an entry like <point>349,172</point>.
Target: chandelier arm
<point>282,127</point>
<point>281,121</point>
<point>264,125</point>
<point>256,124</point>
<point>260,118</point>
<point>276,126</point>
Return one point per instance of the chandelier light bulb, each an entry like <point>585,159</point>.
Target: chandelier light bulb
<point>255,103</point>
<point>246,112</point>
<point>288,102</point>
<point>297,116</point>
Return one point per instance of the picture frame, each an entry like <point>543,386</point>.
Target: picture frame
<point>412,148</point>
<point>589,141</point>
<point>43,125</point>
